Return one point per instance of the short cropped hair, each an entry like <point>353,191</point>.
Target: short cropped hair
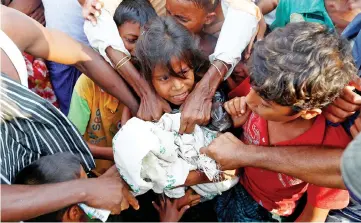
<point>163,39</point>
<point>208,5</point>
<point>140,11</point>
<point>56,168</point>
<point>303,65</point>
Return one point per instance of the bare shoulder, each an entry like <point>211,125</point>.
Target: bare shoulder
<point>18,27</point>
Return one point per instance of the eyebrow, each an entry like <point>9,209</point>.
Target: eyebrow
<point>133,35</point>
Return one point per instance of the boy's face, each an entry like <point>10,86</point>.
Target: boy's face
<point>340,12</point>
<point>187,14</point>
<point>171,88</point>
<point>272,111</point>
<point>129,32</point>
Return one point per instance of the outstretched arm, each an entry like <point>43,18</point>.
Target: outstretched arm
<point>319,165</point>
<point>57,46</point>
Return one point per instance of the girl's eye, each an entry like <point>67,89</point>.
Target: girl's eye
<point>164,78</point>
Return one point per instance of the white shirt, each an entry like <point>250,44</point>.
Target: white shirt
<point>66,16</point>
<point>15,56</point>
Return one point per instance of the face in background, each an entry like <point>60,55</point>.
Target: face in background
<point>189,14</point>
<point>272,111</point>
<point>341,13</point>
<point>129,32</point>
<point>171,88</point>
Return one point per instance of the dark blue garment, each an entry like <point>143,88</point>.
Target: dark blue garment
<point>63,78</point>
<point>352,213</point>
<point>353,33</point>
<point>236,205</point>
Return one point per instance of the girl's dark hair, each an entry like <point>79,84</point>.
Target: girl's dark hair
<point>163,39</point>
<point>56,168</point>
<point>140,11</point>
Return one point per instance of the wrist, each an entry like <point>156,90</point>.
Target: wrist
<point>253,158</point>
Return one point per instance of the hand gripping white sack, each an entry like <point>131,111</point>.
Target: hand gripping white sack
<point>154,156</point>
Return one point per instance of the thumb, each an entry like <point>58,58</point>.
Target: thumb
<point>181,212</point>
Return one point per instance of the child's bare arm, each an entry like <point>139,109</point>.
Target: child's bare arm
<point>237,108</point>
<point>59,47</point>
<point>101,152</point>
<point>173,210</point>
<point>313,214</point>
<point>126,115</point>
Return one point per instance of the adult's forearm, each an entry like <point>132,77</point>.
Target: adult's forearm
<point>211,80</point>
<point>267,6</point>
<point>313,164</point>
<point>129,72</point>
<point>22,202</point>
<point>25,6</point>
<point>104,75</point>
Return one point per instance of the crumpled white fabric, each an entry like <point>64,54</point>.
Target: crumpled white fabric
<point>154,156</point>
<point>104,34</point>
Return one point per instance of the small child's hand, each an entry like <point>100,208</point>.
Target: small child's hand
<point>168,210</point>
<point>237,108</point>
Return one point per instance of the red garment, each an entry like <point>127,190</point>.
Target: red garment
<point>278,192</point>
<point>242,90</point>
<point>39,79</point>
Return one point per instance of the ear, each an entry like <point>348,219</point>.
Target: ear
<point>210,18</point>
<point>75,214</point>
<point>309,114</point>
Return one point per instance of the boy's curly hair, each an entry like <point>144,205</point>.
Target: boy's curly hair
<point>303,65</point>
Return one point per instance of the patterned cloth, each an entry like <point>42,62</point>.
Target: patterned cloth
<point>31,127</point>
<point>39,79</point>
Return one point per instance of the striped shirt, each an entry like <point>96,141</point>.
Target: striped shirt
<point>31,127</point>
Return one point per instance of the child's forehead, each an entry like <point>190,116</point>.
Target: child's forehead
<point>184,6</point>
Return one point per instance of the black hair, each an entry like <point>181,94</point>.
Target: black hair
<point>209,5</point>
<point>163,39</point>
<point>56,168</point>
<point>140,11</point>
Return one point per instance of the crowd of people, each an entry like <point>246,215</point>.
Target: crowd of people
<point>250,109</point>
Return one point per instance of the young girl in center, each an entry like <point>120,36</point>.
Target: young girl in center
<point>170,59</point>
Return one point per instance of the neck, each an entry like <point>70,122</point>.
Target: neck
<point>283,131</point>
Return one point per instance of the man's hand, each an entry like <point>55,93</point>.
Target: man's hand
<point>345,105</point>
<point>195,110</point>
<point>356,127</point>
<point>91,9</point>
<point>114,194</point>
<point>152,107</point>
<point>228,151</point>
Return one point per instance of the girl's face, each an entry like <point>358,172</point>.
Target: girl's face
<point>171,88</point>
